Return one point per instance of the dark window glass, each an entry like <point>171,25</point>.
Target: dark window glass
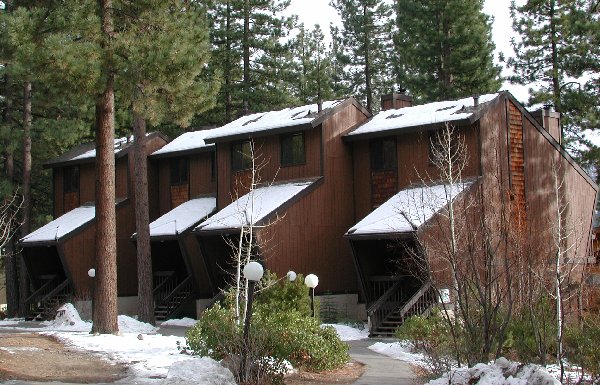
<point>71,179</point>
<point>292,149</point>
<point>383,154</point>
<point>179,171</point>
<point>241,156</point>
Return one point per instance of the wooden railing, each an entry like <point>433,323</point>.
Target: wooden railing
<point>420,302</point>
<point>42,297</point>
<point>175,299</point>
<point>389,301</point>
<point>164,283</point>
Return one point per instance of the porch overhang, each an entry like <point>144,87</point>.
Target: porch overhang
<point>182,219</point>
<point>256,208</point>
<point>61,228</point>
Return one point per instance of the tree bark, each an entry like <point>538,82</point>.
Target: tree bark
<point>26,208</point>
<point>142,223</point>
<point>105,292</point>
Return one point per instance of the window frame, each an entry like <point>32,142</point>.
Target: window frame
<point>293,161</point>
<point>240,160</point>
<point>71,179</point>
<point>180,177</point>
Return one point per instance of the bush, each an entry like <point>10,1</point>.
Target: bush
<point>582,346</point>
<point>282,330</point>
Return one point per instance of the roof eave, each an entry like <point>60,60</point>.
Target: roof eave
<point>406,130</point>
<point>371,236</point>
<point>186,152</point>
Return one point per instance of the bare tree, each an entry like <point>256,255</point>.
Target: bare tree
<point>9,224</point>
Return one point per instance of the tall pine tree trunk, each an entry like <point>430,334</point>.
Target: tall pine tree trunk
<point>246,44</point>
<point>105,291</point>
<point>26,208</point>
<point>10,264</point>
<point>142,222</point>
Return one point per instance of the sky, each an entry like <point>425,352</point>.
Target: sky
<point>312,12</point>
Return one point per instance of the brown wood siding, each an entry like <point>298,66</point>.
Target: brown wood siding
<point>517,165</point>
<point>179,194</point>
<point>123,177</point>
<point>268,151</point>
<point>201,181</point>
<point>362,179</point>
<point>310,237</point>
<point>78,253</point>
<point>71,200</point>
<point>126,252</point>
<point>153,190</point>
<point>199,271</point>
<point>87,183</point>
<point>164,189</point>
<point>57,174</point>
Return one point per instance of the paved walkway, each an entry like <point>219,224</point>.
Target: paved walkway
<point>381,370</point>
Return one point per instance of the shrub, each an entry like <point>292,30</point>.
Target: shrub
<point>582,346</point>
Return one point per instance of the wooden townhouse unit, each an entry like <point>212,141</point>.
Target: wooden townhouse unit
<point>512,158</point>
<point>59,254</point>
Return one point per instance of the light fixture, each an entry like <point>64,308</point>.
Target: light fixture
<point>291,275</point>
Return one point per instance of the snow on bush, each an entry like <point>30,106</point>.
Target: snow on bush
<point>67,318</point>
<point>187,322</point>
<point>203,370</point>
<point>501,372</point>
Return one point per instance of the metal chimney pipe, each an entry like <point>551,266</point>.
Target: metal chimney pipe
<point>475,100</point>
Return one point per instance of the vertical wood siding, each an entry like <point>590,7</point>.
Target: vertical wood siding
<point>517,165</point>
<point>201,181</point>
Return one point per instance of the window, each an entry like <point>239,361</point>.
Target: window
<point>383,154</point>
<point>292,149</point>
<point>241,156</point>
<point>71,179</point>
<point>179,171</point>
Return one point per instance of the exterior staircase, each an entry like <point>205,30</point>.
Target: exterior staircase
<point>394,306</point>
<point>171,294</point>
<point>43,303</point>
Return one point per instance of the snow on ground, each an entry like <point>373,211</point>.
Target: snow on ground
<point>349,333</point>
<point>401,350</point>
<point>187,322</point>
<point>10,321</point>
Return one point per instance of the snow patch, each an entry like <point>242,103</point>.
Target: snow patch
<point>198,371</point>
<point>348,333</point>
<point>186,322</point>
<point>402,350</point>
<point>131,325</point>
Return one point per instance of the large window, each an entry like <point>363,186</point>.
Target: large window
<point>241,155</point>
<point>383,154</point>
<point>179,171</point>
<point>71,179</point>
<point>292,149</point>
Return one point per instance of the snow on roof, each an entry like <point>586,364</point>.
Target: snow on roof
<point>183,217</point>
<point>254,206</point>
<point>119,145</point>
<point>62,225</point>
<point>186,141</point>
<point>431,113</point>
<point>264,121</point>
<point>407,210</point>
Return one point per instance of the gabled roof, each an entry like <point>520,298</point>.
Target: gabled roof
<point>407,119</point>
<point>254,207</point>
<point>61,227</point>
<point>86,152</point>
<point>183,217</point>
<point>286,120</point>
<point>188,142</point>
<point>406,211</point>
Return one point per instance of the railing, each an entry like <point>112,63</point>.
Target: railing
<point>164,283</point>
<point>176,298</point>
<point>45,294</point>
<point>389,301</point>
<point>420,302</point>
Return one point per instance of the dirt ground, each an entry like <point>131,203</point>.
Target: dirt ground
<point>34,357</point>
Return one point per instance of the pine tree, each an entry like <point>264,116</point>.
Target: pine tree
<point>444,49</point>
<point>367,45</point>
<point>559,47</point>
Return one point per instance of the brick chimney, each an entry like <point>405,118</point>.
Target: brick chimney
<point>550,120</point>
<point>395,100</point>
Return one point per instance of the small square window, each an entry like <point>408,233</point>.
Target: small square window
<point>179,171</point>
<point>241,156</point>
<point>292,149</point>
<point>71,179</point>
<point>383,154</point>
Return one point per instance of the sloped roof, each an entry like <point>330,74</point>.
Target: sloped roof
<point>87,152</point>
<point>254,207</point>
<point>62,226</point>
<point>391,121</point>
<point>186,142</point>
<point>406,211</point>
<point>266,121</point>
<point>183,217</point>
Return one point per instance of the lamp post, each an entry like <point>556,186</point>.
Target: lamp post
<point>253,272</point>
<point>312,281</point>
<point>92,274</point>
<point>291,276</point>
